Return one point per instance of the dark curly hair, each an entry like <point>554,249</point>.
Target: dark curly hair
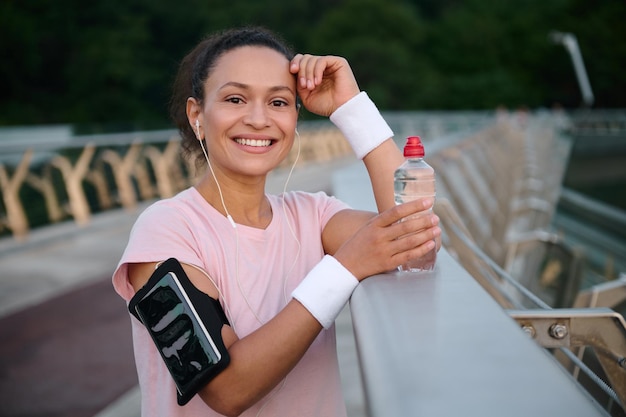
<point>196,67</point>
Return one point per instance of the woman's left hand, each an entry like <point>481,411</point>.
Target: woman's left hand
<point>323,82</point>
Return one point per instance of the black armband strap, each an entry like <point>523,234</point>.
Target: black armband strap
<point>185,325</point>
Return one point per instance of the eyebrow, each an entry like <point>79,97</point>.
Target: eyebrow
<point>247,87</point>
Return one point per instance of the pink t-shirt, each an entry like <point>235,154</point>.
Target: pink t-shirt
<point>255,270</point>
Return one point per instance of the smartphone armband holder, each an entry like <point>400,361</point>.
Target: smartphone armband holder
<point>185,325</point>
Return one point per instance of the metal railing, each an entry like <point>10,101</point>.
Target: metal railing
<point>598,327</point>
<point>523,263</point>
<point>437,344</point>
<point>47,174</point>
<point>73,178</point>
<point>423,340</point>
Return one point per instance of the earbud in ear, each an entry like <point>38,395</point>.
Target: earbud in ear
<point>198,129</point>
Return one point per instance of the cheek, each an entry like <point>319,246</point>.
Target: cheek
<point>217,122</point>
<point>291,140</point>
<point>289,122</point>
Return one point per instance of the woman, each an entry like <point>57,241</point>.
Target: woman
<point>281,266</point>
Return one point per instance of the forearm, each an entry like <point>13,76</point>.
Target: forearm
<point>381,164</point>
<point>261,360</point>
<point>370,137</point>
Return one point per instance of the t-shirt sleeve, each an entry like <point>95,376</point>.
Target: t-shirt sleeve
<point>161,232</point>
<point>329,206</point>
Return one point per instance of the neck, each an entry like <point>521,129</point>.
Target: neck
<point>245,202</point>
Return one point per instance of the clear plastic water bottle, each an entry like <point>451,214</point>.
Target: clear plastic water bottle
<point>412,180</point>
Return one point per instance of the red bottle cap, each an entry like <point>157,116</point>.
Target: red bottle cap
<point>413,147</point>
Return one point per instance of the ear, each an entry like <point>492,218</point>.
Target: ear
<point>194,113</point>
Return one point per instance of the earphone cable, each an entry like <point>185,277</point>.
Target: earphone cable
<point>289,225</point>
<point>228,216</point>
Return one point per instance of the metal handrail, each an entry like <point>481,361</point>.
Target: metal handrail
<point>564,328</point>
<point>539,303</point>
<point>498,269</point>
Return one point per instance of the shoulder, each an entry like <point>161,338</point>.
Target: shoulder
<point>309,208</point>
<point>169,220</point>
<point>177,209</point>
<point>317,199</point>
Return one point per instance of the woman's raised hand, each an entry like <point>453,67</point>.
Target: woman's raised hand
<point>323,82</point>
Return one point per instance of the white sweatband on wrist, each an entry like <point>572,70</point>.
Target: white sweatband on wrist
<point>325,290</point>
<point>362,124</point>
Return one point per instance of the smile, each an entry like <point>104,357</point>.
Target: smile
<point>254,142</point>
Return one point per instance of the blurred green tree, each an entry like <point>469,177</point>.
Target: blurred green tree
<point>109,64</point>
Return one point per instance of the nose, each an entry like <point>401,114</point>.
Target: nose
<point>257,115</point>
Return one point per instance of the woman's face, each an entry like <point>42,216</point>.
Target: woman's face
<point>249,113</point>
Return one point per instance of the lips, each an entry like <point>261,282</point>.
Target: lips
<point>257,143</point>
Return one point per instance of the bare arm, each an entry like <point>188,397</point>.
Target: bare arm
<point>249,377</point>
<point>381,164</point>
<point>325,83</point>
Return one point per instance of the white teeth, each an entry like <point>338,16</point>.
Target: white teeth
<point>253,142</point>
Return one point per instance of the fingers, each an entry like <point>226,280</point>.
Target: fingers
<point>399,212</point>
<point>324,83</point>
<point>370,254</point>
<point>386,242</point>
<point>413,225</point>
<point>414,245</point>
<point>412,229</point>
<point>309,69</point>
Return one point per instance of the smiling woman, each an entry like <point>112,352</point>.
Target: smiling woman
<point>281,267</point>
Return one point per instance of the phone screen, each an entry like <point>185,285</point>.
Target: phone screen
<point>178,332</point>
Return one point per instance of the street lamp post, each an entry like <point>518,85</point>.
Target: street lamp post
<point>570,43</point>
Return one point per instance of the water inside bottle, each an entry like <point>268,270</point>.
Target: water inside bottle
<point>409,189</point>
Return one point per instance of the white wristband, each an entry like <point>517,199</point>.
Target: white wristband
<point>362,124</point>
<point>326,290</point>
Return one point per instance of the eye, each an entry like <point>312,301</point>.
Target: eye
<point>279,103</point>
<point>234,100</point>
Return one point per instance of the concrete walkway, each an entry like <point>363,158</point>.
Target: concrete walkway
<point>69,352</point>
